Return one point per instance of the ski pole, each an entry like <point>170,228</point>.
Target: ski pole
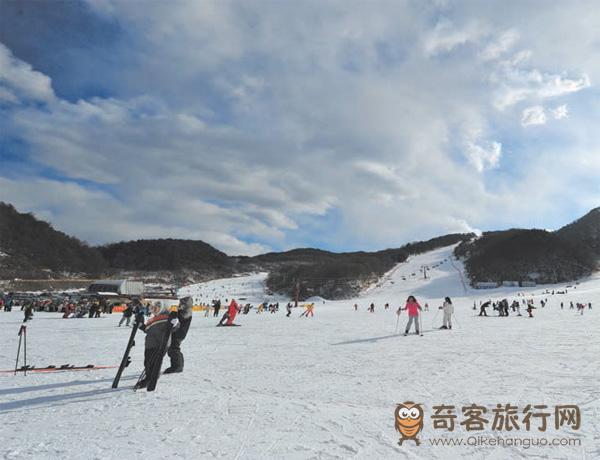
<point>18,350</point>
<point>398,320</point>
<point>25,349</point>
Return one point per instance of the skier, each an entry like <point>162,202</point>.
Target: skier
<point>355,307</point>
<point>386,306</point>
<point>155,330</point>
<point>184,316</point>
<point>229,316</point>
<point>448,310</point>
<point>288,308</point>
<point>413,313</point>
<point>217,307</point>
<point>530,309</point>
<point>482,311</point>
<point>426,306</point>
<point>127,313</point>
<point>371,308</point>
<point>28,311</point>
<point>310,310</point>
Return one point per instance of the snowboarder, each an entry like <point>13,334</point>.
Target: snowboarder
<point>448,310</point>
<point>155,330</point>
<point>184,316</point>
<point>413,313</point>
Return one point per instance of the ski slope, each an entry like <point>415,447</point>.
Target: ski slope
<point>246,289</point>
<point>317,388</point>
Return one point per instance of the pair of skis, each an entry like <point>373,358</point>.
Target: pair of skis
<point>156,360</point>
<point>64,367</point>
<point>398,322</point>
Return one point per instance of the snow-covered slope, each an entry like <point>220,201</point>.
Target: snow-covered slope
<point>296,388</point>
<point>247,289</point>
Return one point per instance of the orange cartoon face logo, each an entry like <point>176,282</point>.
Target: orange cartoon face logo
<point>409,421</point>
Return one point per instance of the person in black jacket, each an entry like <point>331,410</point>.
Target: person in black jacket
<point>156,329</point>
<point>184,315</point>
<point>127,314</point>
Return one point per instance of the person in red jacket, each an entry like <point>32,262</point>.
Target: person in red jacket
<point>413,308</point>
<point>232,311</point>
<point>230,314</point>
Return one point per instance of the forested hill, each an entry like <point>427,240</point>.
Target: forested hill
<point>584,232</point>
<point>524,255</point>
<point>31,248</point>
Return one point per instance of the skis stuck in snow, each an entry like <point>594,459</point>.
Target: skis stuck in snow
<point>131,343</point>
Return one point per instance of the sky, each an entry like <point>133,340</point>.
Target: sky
<point>269,125</point>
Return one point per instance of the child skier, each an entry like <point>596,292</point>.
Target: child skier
<point>413,313</point>
<point>448,310</point>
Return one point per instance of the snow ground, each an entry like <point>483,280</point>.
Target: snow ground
<point>295,388</point>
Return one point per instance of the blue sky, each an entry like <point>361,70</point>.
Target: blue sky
<point>260,126</point>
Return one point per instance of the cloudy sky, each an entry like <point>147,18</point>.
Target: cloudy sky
<point>266,125</point>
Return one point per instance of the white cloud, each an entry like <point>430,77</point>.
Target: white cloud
<point>560,112</point>
<point>446,36</point>
<point>483,155</point>
<point>500,46</point>
<point>534,116</point>
<point>261,121</point>
<point>19,78</point>
<point>517,84</point>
